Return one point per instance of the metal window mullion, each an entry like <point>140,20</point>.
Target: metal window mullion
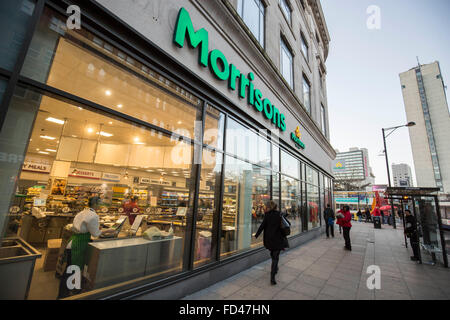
<point>33,23</point>
<point>222,192</point>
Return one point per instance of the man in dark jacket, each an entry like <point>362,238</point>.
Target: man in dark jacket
<point>274,240</point>
<point>412,234</point>
<point>328,217</point>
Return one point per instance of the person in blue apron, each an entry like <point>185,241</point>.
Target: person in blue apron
<point>85,224</point>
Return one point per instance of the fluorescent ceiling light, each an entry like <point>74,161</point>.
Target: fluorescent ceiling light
<point>54,120</point>
<point>105,134</point>
<point>43,152</point>
<point>51,150</point>
<point>139,143</point>
<point>48,137</point>
<point>108,92</point>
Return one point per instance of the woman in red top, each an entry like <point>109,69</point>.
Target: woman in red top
<point>344,220</point>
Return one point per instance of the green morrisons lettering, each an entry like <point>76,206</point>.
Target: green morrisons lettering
<point>219,67</point>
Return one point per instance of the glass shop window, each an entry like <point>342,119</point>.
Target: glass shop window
<point>15,17</point>
<point>78,62</point>
<point>214,127</point>
<point>290,165</point>
<point>246,195</point>
<point>246,144</point>
<point>208,204</point>
<point>291,202</point>
<point>79,165</point>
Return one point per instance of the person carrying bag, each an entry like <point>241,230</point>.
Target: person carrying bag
<point>275,228</point>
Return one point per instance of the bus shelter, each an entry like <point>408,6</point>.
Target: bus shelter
<point>424,205</point>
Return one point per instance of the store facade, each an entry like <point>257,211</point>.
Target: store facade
<point>180,129</point>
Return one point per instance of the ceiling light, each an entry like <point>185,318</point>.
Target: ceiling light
<point>136,139</point>
<point>110,122</point>
<point>90,130</point>
<point>150,170</point>
<point>119,106</point>
<point>180,122</point>
<point>54,120</point>
<point>108,92</point>
<point>51,150</point>
<point>43,152</point>
<point>37,149</point>
<point>139,143</point>
<point>105,134</point>
<point>48,137</point>
<point>74,136</point>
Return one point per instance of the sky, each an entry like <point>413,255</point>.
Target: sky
<point>363,67</point>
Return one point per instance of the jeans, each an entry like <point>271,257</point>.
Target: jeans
<point>414,240</point>
<point>275,255</point>
<point>348,244</point>
<point>329,227</point>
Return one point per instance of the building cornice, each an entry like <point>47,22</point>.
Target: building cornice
<point>321,24</point>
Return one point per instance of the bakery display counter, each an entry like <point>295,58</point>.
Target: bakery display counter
<point>114,261</point>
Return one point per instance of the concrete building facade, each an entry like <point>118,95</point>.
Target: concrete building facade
<point>426,104</point>
<point>353,166</point>
<point>402,175</point>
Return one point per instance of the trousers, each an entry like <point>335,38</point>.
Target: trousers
<point>275,255</point>
<point>328,228</point>
<point>348,244</point>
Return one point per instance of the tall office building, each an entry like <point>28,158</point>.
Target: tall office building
<point>402,175</point>
<point>426,104</point>
<point>353,167</point>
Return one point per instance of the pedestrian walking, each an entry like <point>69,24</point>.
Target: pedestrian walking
<point>359,215</point>
<point>344,220</point>
<point>274,239</point>
<point>328,217</point>
<point>412,234</point>
<point>383,221</point>
<point>340,227</point>
<point>368,216</point>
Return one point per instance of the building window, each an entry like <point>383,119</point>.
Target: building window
<point>323,120</point>
<point>305,47</point>
<point>307,94</point>
<point>252,12</point>
<point>286,66</point>
<point>286,10</point>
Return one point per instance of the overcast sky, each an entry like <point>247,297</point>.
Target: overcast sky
<point>364,92</point>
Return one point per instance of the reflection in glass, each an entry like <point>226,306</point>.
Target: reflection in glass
<point>290,165</point>
<point>313,206</point>
<point>291,202</point>
<point>246,144</point>
<point>208,202</point>
<point>15,19</point>
<point>246,194</point>
<point>214,126</point>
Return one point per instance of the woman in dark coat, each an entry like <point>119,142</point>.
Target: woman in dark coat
<point>274,240</point>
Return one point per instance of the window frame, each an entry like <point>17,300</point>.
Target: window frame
<point>261,19</point>
<point>285,47</point>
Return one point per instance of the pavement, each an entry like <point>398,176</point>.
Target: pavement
<point>322,270</point>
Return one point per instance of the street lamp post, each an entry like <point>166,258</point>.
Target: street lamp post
<point>409,124</point>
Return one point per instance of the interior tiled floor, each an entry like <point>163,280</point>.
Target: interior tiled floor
<point>321,269</point>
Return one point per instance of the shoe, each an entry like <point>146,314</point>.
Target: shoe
<point>414,258</point>
<point>273,282</point>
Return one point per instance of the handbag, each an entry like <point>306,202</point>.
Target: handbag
<point>285,226</point>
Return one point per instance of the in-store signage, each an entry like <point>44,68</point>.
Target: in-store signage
<point>82,173</point>
<point>295,136</point>
<point>224,71</point>
<point>36,167</point>
<point>111,177</point>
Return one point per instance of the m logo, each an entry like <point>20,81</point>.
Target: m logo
<point>374,280</point>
